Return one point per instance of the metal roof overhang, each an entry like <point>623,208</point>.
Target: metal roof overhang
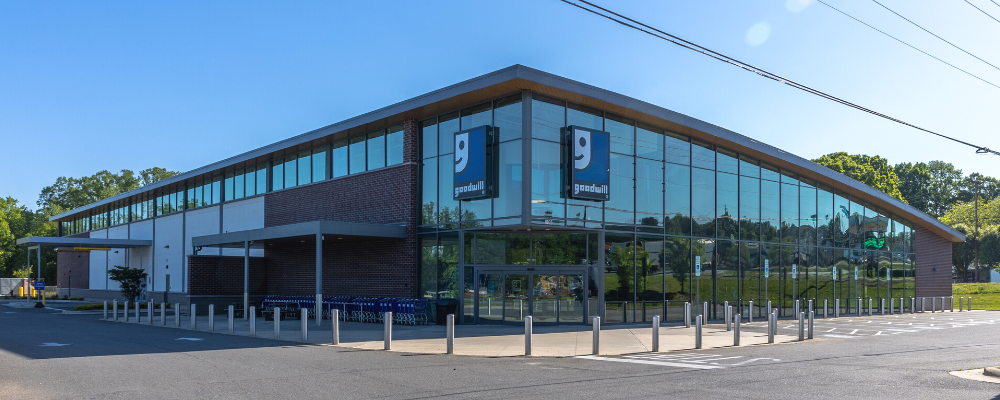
<point>280,233</point>
<point>518,77</point>
<point>32,241</point>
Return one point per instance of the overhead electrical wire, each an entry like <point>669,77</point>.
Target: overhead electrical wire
<point>910,45</point>
<point>935,35</point>
<point>984,12</point>
<point>649,30</point>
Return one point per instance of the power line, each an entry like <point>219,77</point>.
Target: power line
<point>911,46</point>
<point>732,61</point>
<point>984,12</point>
<point>932,33</point>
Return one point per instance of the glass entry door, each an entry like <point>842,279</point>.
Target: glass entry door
<point>549,296</point>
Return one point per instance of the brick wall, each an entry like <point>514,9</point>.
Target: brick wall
<point>223,276</point>
<point>75,264</point>
<point>933,252</point>
<point>383,267</point>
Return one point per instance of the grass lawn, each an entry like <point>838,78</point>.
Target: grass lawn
<point>985,296</point>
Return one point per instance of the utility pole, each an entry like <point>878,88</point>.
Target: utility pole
<point>978,184</point>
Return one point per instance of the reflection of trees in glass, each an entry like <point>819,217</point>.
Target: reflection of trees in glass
<point>624,261</point>
<point>676,258</point>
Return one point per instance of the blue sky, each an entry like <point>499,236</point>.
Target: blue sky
<point>87,86</point>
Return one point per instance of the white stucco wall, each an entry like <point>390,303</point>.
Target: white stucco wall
<point>169,260</point>
<point>243,215</point>
<point>99,263</point>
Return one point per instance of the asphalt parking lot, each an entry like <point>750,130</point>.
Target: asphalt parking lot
<point>47,354</point>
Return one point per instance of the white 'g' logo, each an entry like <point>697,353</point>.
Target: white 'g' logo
<point>461,152</point>
<point>581,150</point>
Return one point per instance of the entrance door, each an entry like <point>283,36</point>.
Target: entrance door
<point>549,296</point>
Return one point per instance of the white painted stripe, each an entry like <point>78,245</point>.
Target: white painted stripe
<point>661,363</point>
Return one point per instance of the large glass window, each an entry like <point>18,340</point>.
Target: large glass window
<point>546,179</point>
<point>304,167</point>
<point>824,215</point>
<point>789,213</point>
<point>677,195</point>
<point>619,208</point>
<point>428,192</point>
<point>394,145</point>
<point>548,118</point>
<point>356,154</point>
<point>649,193</point>
<point>508,200</point>
<point>291,171</point>
<point>726,161</point>
<point>649,141</point>
<point>727,192</point>
<point>749,208</point>
<point>807,215</point>
<point>678,148</point>
<point>622,132</point>
<point>447,206</point>
<point>770,210</point>
<point>507,117</point>
<point>318,164</point>
<point>703,202</point>
<point>702,155</point>
<point>376,149</point>
<point>340,158</point>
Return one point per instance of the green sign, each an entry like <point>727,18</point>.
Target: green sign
<point>874,243</point>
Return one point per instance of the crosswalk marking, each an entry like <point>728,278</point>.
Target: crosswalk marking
<point>651,362</point>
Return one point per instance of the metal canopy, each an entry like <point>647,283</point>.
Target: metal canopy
<point>44,241</point>
<point>304,229</point>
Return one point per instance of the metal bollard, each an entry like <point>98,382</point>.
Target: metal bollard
<point>656,333</point>
<point>450,334</point>
<point>125,309</point>
<point>687,315</point>
<point>252,316</point>
<point>194,322</point>
<point>960,305</point>
<point>736,330</point>
<point>277,322</point>
<point>304,319</point>
<point>775,327</point>
<point>892,305</point>
<point>802,326</point>
<point>881,306</point>
<point>951,303</point>
<point>527,335</point>
<point>770,327</point>
<point>812,316</point>
<point>177,315</point>
<point>697,332</point>
<point>922,304</point>
<point>729,312</point>
<point>900,306</point>
<point>750,310</point>
<point>149,312</point>
<point>836,308</point>
<point>869,306</point>
<point>859,307</point>
<point>232,315</point>
<point>114,314</point>
<point>726,313</point>
<point>704,308</point>
<point>810,305</point>
<point>387,336</point>
<point>335,322</point>
<point>826,307</point>
<point>797,307</point>
<point>137,312</point>
<point>106,309</point>
<point>211,317</point>
<point>970,303</point>
<point>768,307</point>
<point>163,314</point>
<point>597,333</point>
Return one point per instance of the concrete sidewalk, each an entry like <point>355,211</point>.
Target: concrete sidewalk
<point>479,340</point>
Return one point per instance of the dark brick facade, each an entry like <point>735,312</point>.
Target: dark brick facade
<point>383,267</point>
<point>933,252</point>
<point>223,276</point>
<point>75,264</point>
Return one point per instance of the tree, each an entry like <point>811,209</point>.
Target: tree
<point>69,193</point>
<point>989,250</point>
<point>6,239</point>
<point>22,222</point>
<point>963,253</point>
<point>914,180</point>
<point>23,273</point>
<point>131,280</point>
<point>873,171</point>
<point>943,187</point>
<point>624,259</point>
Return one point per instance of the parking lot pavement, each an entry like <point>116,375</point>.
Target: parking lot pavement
<point>847,327</point>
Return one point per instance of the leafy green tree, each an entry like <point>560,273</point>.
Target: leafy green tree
<point>132,281</point>
<point>989,250</point>
<point>963,253</point>
<point>6,239</point>
<point>69,193</point>
<point>873,171</point>
<point>943,187</point>
<point>23,273</point>
<point>624,260</point>
<point>914,180</point>
<point>22,222</point>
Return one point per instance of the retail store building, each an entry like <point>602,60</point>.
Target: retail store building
<point>517,193</point>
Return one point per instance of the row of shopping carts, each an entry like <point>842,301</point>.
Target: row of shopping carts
<point>405,311</point>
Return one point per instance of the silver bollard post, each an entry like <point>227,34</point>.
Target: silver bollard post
<point>970,303</point>
<point>923,304</point>
<point>177,315</point>
<point>125,309</point>
<point>836,308</point>
<point>770,327</point>
<point>194,322</point>
<point>729,313</point>
<point>163,314</point>
<point>115,316</point>
<point>137,312</point>
<point>812,317</point>
<point>960,305</point>
<point>859,307</point>
<point>869,306</point>
<point>304,320</point>
<point>802,326</point>
<point>750,310</point>
<point>105,309</point>
<point>335,322</point>
<point>656,333</point>
<point>252,317</point>
<point>736,330</point>
<point>900,306</point>
<point>687,315</point>
<point>881,306</point>
<point>450,334</point>
<point>826,307</point>
<point>211,317</point>
<point>951,303</point>
<point>277,322</point>
<point>149,312</point>
<point>892,305</point>
<point>775,327</point>
<point>704,313</point>
<point>527,335</point>
<point>387,321</point>
<point>798,308</point>
<point>726,313</point>
<point>232,315</point>
<point>810,305</point>
<point>697,332</point>
<point>597,332</point>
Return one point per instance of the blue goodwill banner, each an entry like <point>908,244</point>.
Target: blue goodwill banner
<point>472,161</point>
<point>590,164</point>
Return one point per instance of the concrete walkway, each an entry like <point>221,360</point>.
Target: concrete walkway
<point>476,340</point>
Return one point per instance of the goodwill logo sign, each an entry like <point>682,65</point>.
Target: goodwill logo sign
<point>472,171</point>
<point>590,164</point>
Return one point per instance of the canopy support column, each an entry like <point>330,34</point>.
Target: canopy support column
<point>319,278</point>
<point>246,279</point>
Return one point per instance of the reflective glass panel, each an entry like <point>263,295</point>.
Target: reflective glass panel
<point>677,194</point>
<point>548,118</point>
